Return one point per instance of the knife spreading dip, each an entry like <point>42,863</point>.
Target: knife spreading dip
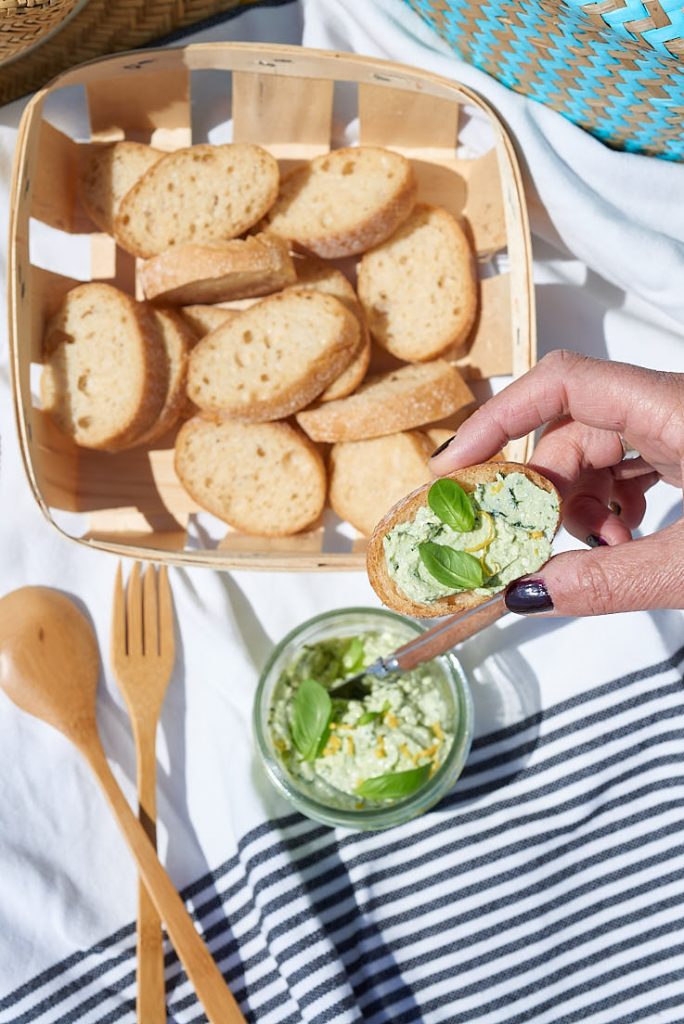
<point>377,750</point>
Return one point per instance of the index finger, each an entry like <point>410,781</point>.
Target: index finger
<point>596,392</point>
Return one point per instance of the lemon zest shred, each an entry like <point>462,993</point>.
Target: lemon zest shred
<point>349,745</point>
<point>536,534</point>
<point>483,545</point>
<point>333,746</point>
<point>391,720</point>
<point>438,731</point>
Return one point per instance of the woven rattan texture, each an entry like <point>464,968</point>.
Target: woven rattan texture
<point>103,26</point>
<point>23,24</point>
<point>615,68</point>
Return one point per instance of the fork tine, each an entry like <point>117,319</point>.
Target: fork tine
<point>134,622</point>
<point>166,638</point>
<point>118,641</point>
<point>150,627</point>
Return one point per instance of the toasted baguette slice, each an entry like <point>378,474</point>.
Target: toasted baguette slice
<point>419,288</point>
<point>206,193</point>
<point>344,202</point>
<point>389,402</point>
<point>105,377</point>
<point>178,340</point>
<point>110,172</point>
<point>368,477</point>
<point>405,511</point>
<point>273,358</point>
<point>264,478</point>
<point>237,269</point>
<point>202,320</point>
<point>313,273</point>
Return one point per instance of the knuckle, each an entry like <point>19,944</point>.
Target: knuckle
<point>595,592</point>
<point>561,359</point>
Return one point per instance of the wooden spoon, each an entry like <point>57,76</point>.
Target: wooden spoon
<point>49,665</point>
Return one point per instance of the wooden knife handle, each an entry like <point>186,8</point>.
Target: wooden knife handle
<point>447,634</point>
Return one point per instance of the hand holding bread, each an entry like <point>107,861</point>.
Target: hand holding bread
<point>593,412</point>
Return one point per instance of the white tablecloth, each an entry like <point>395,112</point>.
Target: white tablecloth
<point>548,887</point>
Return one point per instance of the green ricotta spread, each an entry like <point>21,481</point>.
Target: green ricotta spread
<point>511,536</point>
<point>402,725</point>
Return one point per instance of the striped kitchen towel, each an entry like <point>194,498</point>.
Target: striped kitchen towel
<point>548,887</point>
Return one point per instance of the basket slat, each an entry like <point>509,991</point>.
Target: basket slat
<point>56,181</point>
<point>291,117</point>
<point>150,106</point>
<point>413,123</point>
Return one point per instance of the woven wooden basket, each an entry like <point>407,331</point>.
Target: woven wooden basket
<point>613,67</point>
<point>295,103</point>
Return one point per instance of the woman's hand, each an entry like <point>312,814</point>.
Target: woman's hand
<point>590,407</point>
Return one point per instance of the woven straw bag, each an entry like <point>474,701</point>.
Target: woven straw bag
<point>25,23</point>
<point>41,38</point>
<point>615,68</point>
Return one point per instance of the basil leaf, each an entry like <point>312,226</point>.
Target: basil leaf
<point>394,785</point>
<point>458,570</point>
<point>311,715</point>
<point>352,658</point>
<point>451,504</point>
<point>368,717</point>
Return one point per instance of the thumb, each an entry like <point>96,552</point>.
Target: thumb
<point>628,577</point>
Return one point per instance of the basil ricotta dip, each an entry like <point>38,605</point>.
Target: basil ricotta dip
<point>376,750</point>
<point>506,526</point>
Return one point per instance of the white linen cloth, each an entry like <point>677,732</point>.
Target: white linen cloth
<point>548,887</point>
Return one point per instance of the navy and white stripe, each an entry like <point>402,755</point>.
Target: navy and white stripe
<point>547,887</point>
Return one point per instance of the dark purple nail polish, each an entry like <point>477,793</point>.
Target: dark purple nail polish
<point>528,596</point>
<point>443,446</point>
<point>596,542</point>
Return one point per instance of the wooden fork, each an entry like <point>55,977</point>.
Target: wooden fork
<point>142,656</point>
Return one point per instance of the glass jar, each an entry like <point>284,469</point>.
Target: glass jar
<point>331,806</point>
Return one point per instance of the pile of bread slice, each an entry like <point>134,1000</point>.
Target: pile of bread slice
<point>254,340</point>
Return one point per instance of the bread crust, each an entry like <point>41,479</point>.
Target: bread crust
<point>151,241</point>
<point>293,518</point>
<point>405,511</point>
<point>236,269</point>
<point>152,386</point>
<point>101,200</point>
<point>438,390</point>
<point>356,238</point>
<point>178,340</point>
<point>321,369</point>
<point>389,303</point>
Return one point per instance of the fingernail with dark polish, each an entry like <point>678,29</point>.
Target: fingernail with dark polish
<point>528,596</point>
<point>596,542</point>
<point>615,507</point>
<point>443,446</point>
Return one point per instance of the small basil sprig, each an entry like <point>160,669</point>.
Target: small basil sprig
<point>458,570</point>
<point>394,785</point>
<point>451,504</point>
<point>371,716</point>
<point>311,717</point>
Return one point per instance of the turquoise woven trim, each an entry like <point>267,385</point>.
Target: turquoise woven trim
<point>625,95</point>
<point>656,37</point>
